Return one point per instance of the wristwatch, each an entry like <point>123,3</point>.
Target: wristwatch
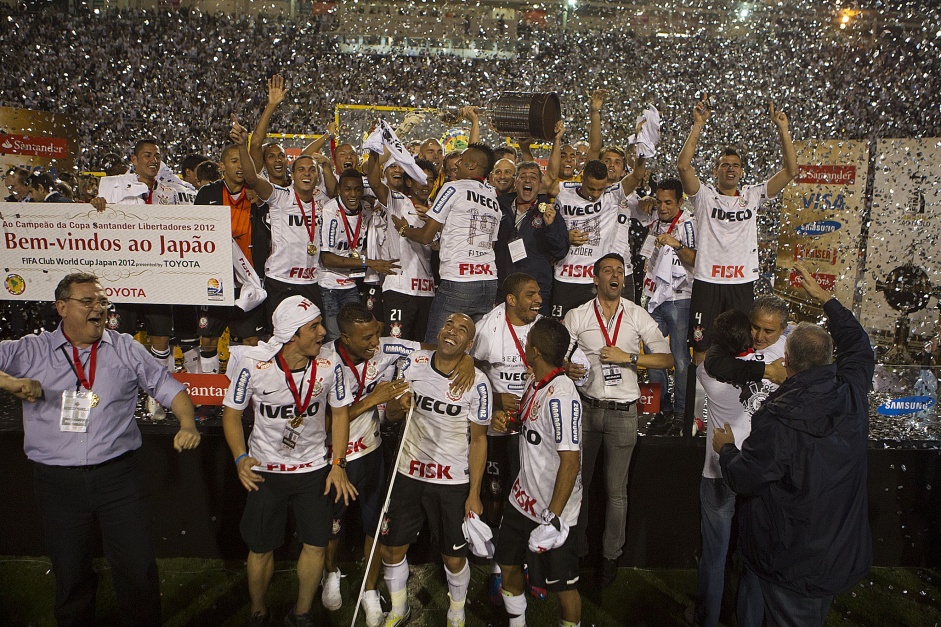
<point>341,462</point>
<point>679,247</point>
<point>634,357</point>
<point>402,231</point>
<point>548,518</point>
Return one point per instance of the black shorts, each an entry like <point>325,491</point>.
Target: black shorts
<point>413,502</point>
<point>370,294</point>
<point>555,570</point>
<point>368,476</point>
<point>241,324</point>
<point>278,291</point>
<point>157,319</point>
<point>266,510</point>
<point>711,299</point>
<point>566,296</point>
<point>503,465</point>
<point>406,316</point>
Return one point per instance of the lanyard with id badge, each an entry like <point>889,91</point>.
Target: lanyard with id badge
<point>78,403</point>
<point>294,426</point>
<point>611,372</point>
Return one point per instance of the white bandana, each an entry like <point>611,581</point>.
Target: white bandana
<point>293,313</point>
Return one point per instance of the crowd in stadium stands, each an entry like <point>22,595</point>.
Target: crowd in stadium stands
<point>467,261</point>
<point>121,75</point>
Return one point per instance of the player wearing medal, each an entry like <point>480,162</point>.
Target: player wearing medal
<point>151,183</point>
<point>466,213</point>
<point>500,354</point>
<point>346,221</point>
<point>248,234</point>
<point>444,452</point>
<point>368,367</point>
<point>80,384</point>
<point>726,221</point>
<point>610,330</point>
<point>408,294</point>
<point>670,249</point>
<point>295,213</point>
<point>547,493</point>
<point>590,210</point>
<point>290,384</point>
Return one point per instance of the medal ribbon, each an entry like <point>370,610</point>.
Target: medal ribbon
<point>516,340</point>
<point>529,399</point>
<point>608,340</point>
<point>672,224</point>
<point>351,237</point>
<point>360,377</point>
<point>300,408</point>
<point>89,381</point>
<point>312,227</point>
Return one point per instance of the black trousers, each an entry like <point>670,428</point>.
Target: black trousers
<point>72,501</point>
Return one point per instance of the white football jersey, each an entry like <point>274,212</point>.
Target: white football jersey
<point>289,260</point>
<point>414,276</point>
<point>681,275</point>
<point>629,208</point>
<point>335,235</point>
<point>274,442</point>
<point>469,211</point>
<point>127,189</point>
<point>727,229</point>
<point>552,424</point>
<point>598,218</point>
<point>499,358</point>
<point>437,442</point>
<point>727,407</point>
<point>364,428</point>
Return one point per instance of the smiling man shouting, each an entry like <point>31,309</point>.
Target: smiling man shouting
<point>610,330</point>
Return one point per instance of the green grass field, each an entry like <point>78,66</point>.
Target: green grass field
<point>213,592</point>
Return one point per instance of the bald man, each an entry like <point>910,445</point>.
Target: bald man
<point>444,452</point>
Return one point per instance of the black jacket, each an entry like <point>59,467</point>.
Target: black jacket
<point>803,471</point>
<point>545,244</point>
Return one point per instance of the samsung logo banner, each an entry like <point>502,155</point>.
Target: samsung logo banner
<point>818,227</point>
<point>905,405</point>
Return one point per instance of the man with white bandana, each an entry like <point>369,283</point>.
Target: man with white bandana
<point>290,384</point>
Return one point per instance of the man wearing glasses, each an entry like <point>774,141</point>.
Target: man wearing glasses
<point>80,386</point>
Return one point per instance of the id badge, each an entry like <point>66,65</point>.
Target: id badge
<point>290,436</point>
<point>650,244</point>
<point>517,249</point>
<point>612,374</point>
<point>76,407</point>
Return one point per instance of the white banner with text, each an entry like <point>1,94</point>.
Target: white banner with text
<point>167,254</point>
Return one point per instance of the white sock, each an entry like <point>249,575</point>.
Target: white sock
<point>568,623</point>
<point>396,576</point>
<point>515,607</point>
<point>209,362</point>
<point>495,568</point>
<point>191,361</point>
<point>457,585</point>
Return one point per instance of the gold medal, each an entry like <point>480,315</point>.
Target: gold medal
<point>354,254</point>
<point>543,206</point>
<point>297,421</point>
<point>94,399</point>
<point>311,249</point>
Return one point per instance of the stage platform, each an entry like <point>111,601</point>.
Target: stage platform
<point>197,500</point>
